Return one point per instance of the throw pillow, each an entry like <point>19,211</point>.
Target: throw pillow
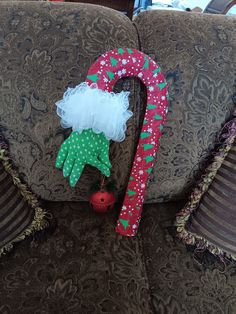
<point>209,218</point>
<point>20,213</point>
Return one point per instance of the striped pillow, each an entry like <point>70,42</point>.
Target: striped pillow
<point>20,214</point>
<point>209,219</point>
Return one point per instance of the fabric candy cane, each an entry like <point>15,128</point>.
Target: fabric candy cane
<point>110,67</point>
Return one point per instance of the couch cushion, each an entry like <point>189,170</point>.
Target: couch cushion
<point>179,283</point>
<point>20,212</point>
<point>197,53</point>
<point>44,48</point>
<point>84,267</point>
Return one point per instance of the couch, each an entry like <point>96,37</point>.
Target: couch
<point>81,265</point>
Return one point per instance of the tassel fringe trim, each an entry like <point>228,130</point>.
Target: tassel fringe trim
<point>228,136</point>
<point>39,222</point>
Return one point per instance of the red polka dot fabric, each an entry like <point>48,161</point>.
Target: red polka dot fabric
<point>110,67</point>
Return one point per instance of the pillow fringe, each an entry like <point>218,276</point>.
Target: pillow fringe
<point>226,138</point>
<point>39,222</point>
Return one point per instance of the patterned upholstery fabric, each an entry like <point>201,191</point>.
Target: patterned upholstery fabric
<point>84,267</point>
<point>179,283</point>
<point>197,53</point>
<point>46,47</point>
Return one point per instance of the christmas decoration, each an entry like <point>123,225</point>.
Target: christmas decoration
<point>81,149</point>
<point>102,201</point>
<point>101,111</point>
<point>103,197</point>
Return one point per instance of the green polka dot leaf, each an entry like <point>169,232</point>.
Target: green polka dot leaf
<point>81,149</point>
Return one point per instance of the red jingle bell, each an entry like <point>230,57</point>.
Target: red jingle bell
<point>102,201</point>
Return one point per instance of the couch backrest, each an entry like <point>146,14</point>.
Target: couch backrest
<point>44,48</point>
<point>197,53</point>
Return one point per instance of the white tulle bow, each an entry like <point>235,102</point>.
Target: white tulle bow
<point>88,107</point>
